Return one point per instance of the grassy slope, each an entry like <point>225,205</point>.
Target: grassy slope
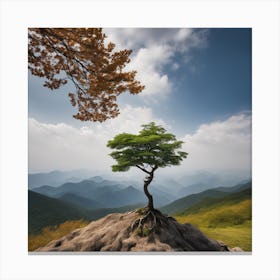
<point>188,201</point>
<point>45,211</point>
<point>52,233</point>
<point>227,219</point>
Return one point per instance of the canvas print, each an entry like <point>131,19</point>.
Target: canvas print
<point>139,140</point>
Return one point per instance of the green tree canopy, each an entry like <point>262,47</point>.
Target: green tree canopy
<point>149,150</point>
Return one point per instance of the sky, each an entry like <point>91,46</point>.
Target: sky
<point>197,85</point>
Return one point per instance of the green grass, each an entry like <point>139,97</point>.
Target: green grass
<point>226,219</point>
<point>208,197</point>
<point>233,236</point>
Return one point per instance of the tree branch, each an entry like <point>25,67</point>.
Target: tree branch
<point>155,168</point>
<point>85,70</point>
<point>50,34</point>
<point>143,169</point>
<point>60,52</point>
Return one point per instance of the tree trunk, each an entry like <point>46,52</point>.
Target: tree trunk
<point>147,182</point>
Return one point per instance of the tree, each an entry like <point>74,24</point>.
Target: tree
<point>81,56</point>
<point>149,150</point>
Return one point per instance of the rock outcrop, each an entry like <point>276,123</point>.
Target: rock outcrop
<point>126,232</point>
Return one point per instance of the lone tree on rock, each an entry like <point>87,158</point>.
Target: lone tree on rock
<point>149,150</point>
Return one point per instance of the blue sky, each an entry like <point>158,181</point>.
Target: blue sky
<point>196,80</point>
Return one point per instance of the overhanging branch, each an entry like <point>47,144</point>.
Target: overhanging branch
<point>143,169</point>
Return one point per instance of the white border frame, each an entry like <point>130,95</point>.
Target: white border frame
<point>262,16</point>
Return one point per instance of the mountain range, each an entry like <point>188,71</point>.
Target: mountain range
<point>45,211</point>
<point>174,188</point>
<point>102,193</point>
<point>224,217</point>
<point>55,205</point>
<point>56,177</point>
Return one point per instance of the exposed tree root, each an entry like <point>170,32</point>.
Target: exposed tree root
<point>150,219</point>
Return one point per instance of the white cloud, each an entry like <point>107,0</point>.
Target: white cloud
<point>149,63</point>
<point>64,147</point>
<point>136,38</point>
<point>220,145</point>
<point>153,49</point>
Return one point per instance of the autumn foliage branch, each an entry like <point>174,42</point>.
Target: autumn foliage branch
<point>81,56</point>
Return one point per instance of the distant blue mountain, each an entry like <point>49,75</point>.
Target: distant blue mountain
<point>56,178</point>
<point>97,179</point>
<point>46,211</point>
<point>192,189</point>
<point>107,193</point>
<point>102,193</point>
<point>81,201</point>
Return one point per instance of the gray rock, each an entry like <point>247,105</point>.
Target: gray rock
<point>115,233</point>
